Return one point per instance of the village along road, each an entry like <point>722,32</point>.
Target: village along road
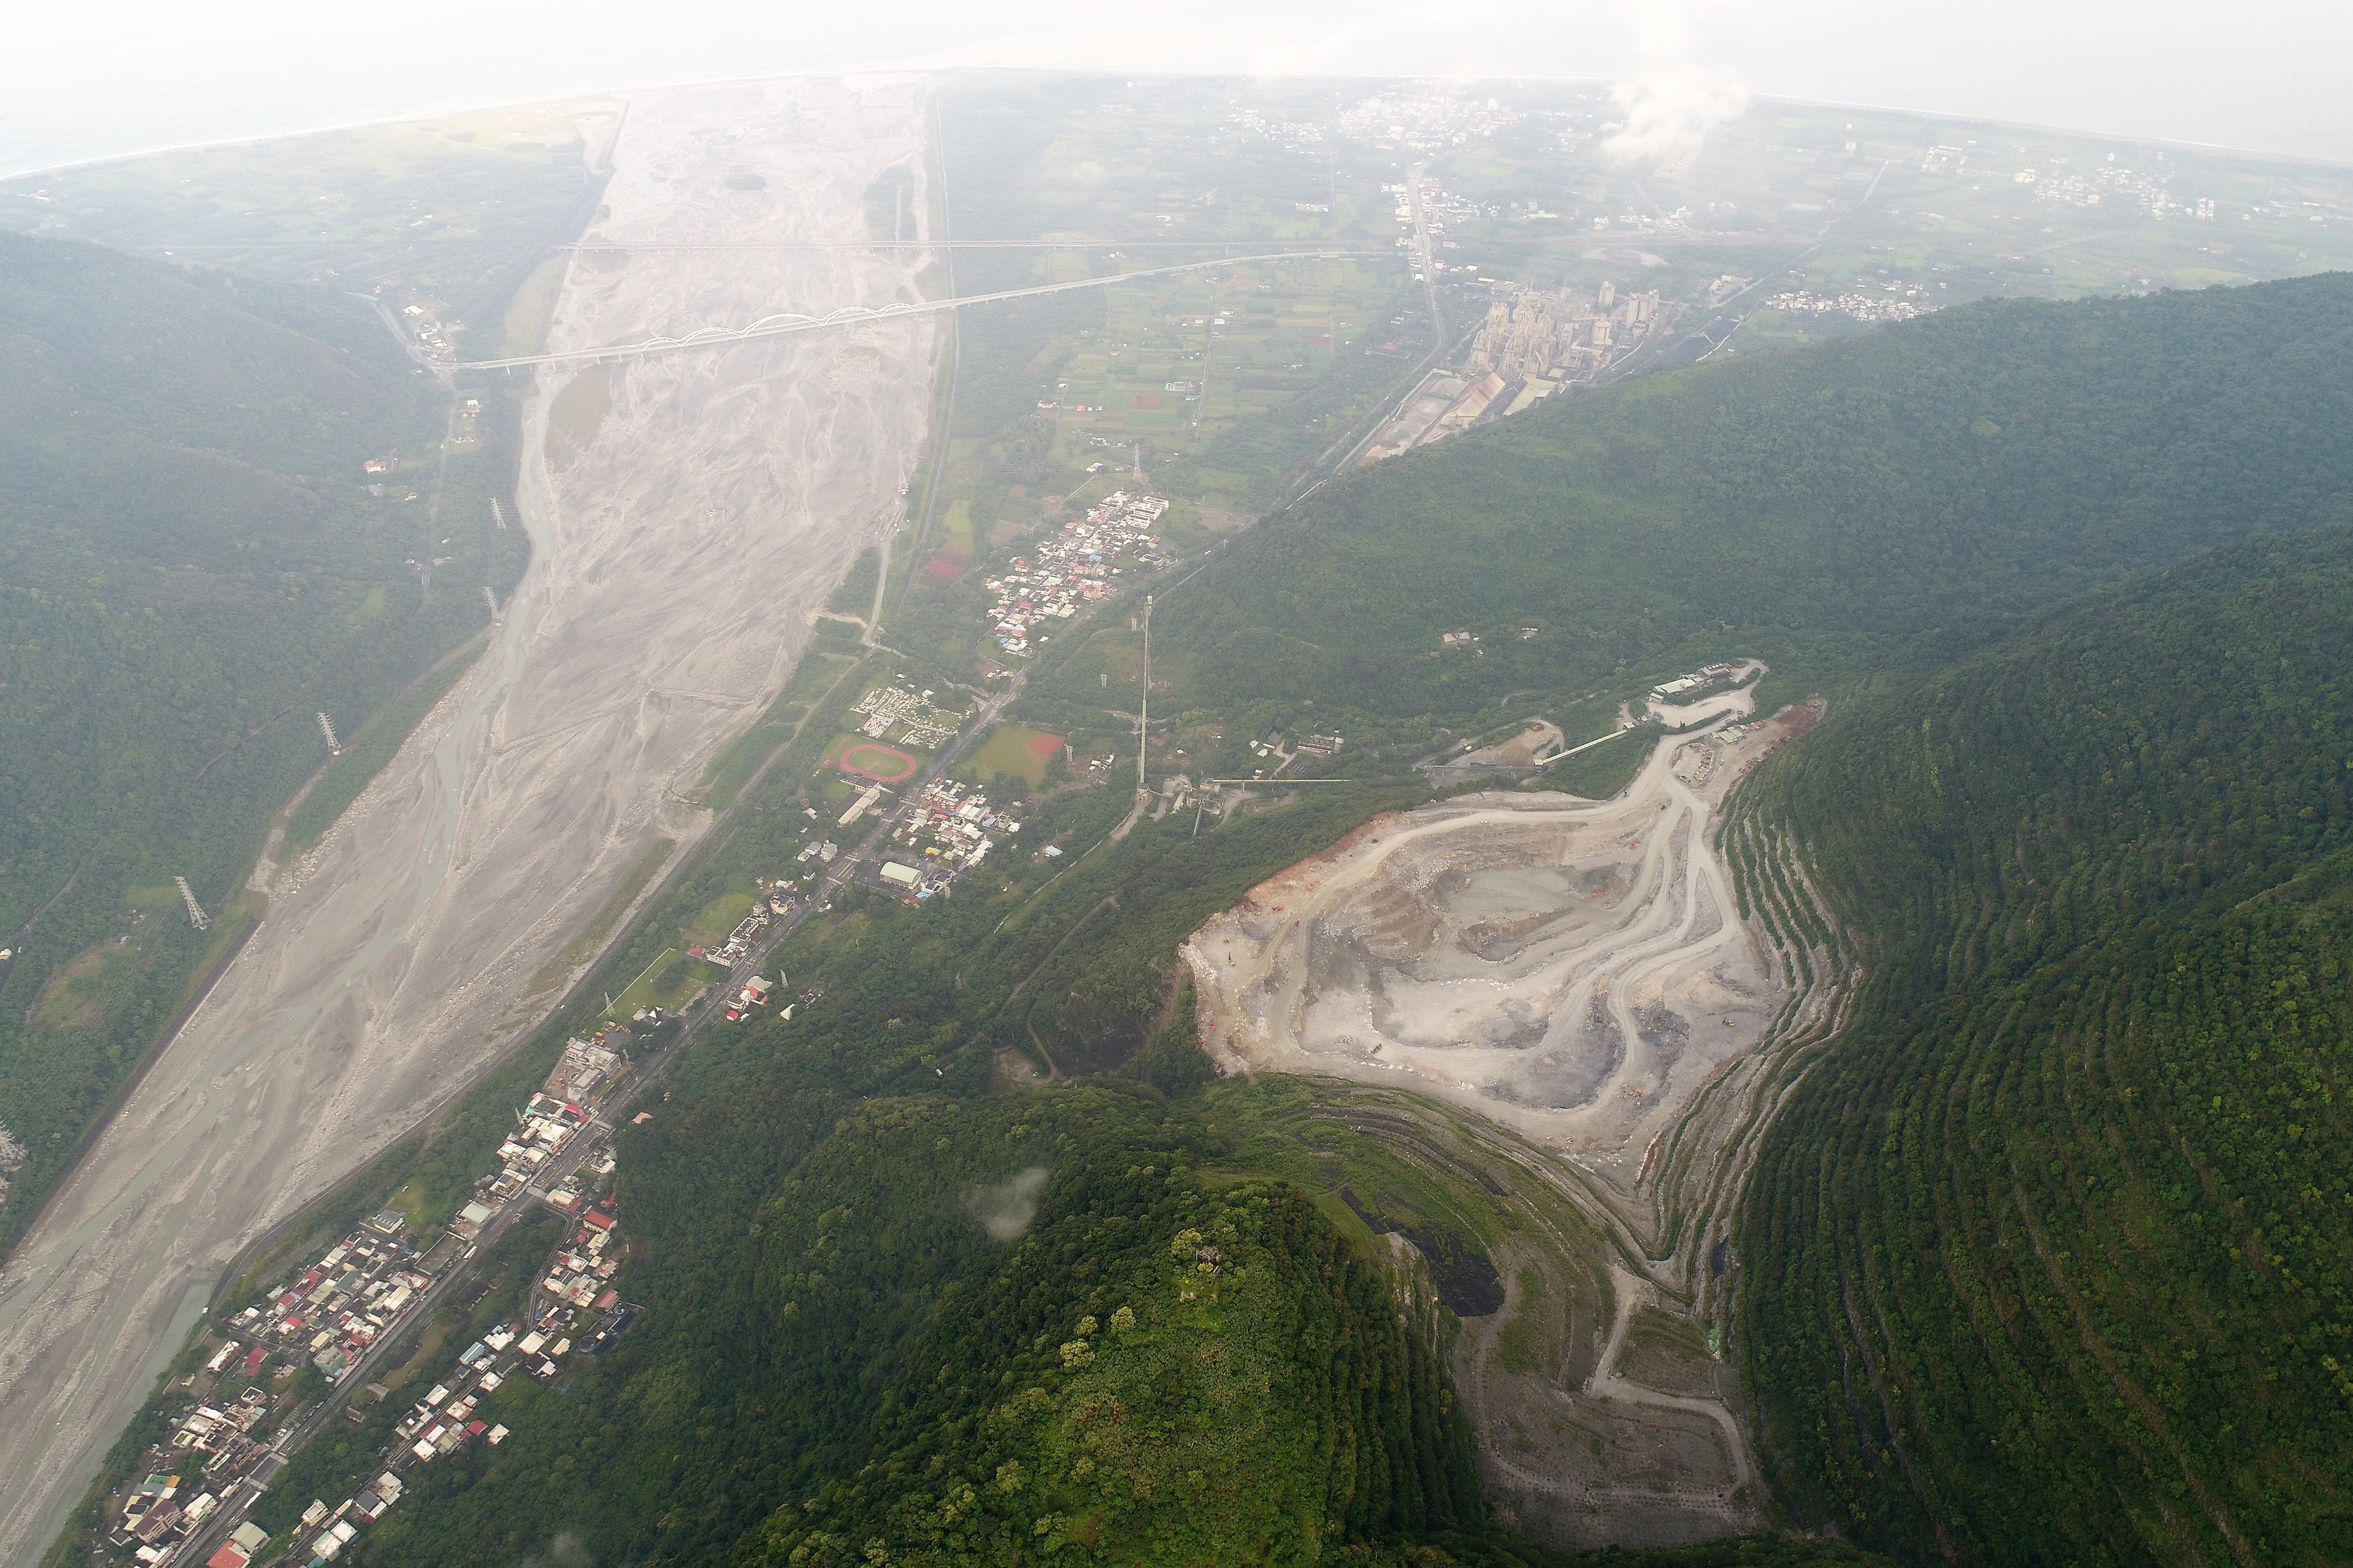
<point>686,513</point>
<point>649,1069</point>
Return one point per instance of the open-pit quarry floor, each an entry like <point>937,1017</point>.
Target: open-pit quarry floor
<point>688,513</point>
<point>1564,993</point>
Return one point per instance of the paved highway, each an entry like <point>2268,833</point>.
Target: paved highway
<point>241,1500</point>
<point>1112,244</point>
<point>790,323</point>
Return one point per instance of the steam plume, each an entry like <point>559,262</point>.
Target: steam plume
<point>1671,103</point>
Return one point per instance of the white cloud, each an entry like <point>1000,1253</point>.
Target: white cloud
<point>1668,111</point>
<point>1670,103</point>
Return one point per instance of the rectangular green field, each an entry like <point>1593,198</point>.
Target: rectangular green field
<point>718,917</point>
<point>1014,748</point>
<point>668,982</point>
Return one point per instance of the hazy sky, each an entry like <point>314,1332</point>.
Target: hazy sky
<point>87,78</point>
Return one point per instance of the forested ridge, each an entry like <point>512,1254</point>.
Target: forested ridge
<point>1055,1327</point>
<point>840,1352</point>
<point>191,567</point>
<point>1179,1357</point>
<point>838,1359</point>
<point>1837,512</point>
<point>2048,1260</point>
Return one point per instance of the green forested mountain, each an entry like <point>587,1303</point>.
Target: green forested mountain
<point>970,1332</point>
<point>1825,510</point>
<point>835,1351</point>
<point>2040,1264</point>
<point>2048,1260</point>
<point>190,566</point>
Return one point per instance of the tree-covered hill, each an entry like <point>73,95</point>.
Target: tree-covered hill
<point>190,566</point>
<point>1058,1326</point>
<point>2048,1260</point>
<point>1821,510</point>
<point>835,1354</point>
<point>970,1332</point>
<point>838,1360</point>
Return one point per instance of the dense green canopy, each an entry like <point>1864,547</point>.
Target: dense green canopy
<point>2048,1260</point>
<point>2045,1258</point>
<point>1829,511</point>
<point>966,1329</point>
<point>190,568</point>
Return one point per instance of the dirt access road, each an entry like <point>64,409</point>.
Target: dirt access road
<point>687,515</point>
<point>1572,969</point>
<point>1562,994</point>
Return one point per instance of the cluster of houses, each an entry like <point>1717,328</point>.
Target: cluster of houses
<point>360,1290</point>
<point>1298,135</point>
<point>575,1292</point>
<point>1912,301</point>
<point>346,1301</point>
<point>589,1067</point>
<point>1074,566</point>
<point>433,333</point>
<point>579,1277</point>
<point>944,832</point>
<point>2071,189</point>
<point>747,931</point>
<point>751,997</point>
<point>1425,121</point>
<point>357,1292</point>
<point>543,1130</point>
<point>156,1518</point>
<point>339,1527</point>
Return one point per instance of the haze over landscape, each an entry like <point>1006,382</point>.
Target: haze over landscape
<point>927,785</point>
<point>127,76</point>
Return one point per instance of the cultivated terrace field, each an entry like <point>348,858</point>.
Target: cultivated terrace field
<point>2070,1199</point>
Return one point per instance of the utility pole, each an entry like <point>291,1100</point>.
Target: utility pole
<point>1143,708</point>
<point>196,916</point>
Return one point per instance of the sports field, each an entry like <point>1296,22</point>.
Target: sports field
<point>668,982</point>
<point>868,759</point>
<point>1015,749</point>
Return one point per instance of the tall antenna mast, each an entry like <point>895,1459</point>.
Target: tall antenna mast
<point>196,916</point>
<point>1143,708</point>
